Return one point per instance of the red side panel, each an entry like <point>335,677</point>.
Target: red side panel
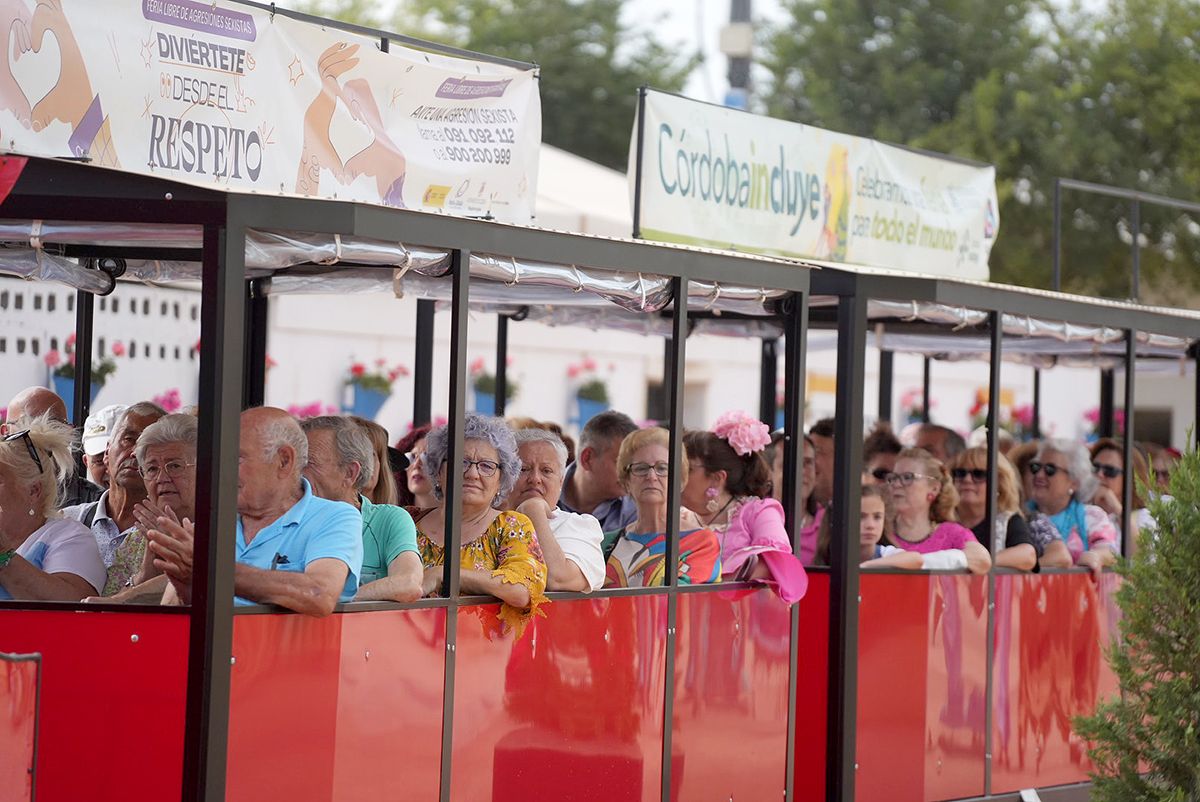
<point>571,711</point>
<point>956,687</point>
<point>18,725</point>
<point>389,725</point>
<point>112,706</point>
<point>812,690</point>
<point>283,705</point>
<point>1049,667</point>
<point>731,690</point>
<point>893,641</point>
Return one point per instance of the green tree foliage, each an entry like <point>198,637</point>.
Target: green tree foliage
<point>1039,90</point>
<point>591,61</point>
<point>1145,742</point>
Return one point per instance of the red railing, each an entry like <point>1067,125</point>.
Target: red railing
<point>351,706</point>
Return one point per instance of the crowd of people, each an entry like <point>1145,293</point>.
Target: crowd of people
<point>328,512</point>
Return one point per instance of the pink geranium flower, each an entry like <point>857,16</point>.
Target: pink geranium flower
<point>118,348</point>
<point>52,358</point>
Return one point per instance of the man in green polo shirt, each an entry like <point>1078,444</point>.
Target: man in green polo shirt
<point>341,462</point>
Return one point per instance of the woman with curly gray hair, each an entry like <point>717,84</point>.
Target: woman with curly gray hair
<point>500,552</point>
<point>1061,477</point>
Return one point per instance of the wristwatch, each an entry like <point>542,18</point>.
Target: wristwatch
<point>6,556</point>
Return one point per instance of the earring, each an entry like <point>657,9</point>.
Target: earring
<point>32,512</point>
<point>711,494</point>
<point>930,497</point>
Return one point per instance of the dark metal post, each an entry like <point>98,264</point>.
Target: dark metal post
<point>460,261</point>
<point>1036,422</point>
<point>1056,241</point>
<point>794,373</point>
<point>841,749</point>
<point>768,376</point>
<point>637,166</point>
<point>674,387</point>
<point>1135,228</point>
<point>254,383</point>
<point>925,386</point>
<point>85,311</point>
<point>1107,407</point>
<point>993,447</point>
<point>210,638</point>
<point>1196,402</point>
<point>423,365</point>
<point>1128,479</point>
<point>501,364</point>
<point>887,367</point>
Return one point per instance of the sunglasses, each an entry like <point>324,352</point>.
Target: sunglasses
<point>880,474</point>
<point>29,446</point>
<point>1107,471</point>
<point>978,474</point>
<point>1049,467</point>
<point>907,478</point>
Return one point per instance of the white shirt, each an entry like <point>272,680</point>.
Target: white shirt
<point>579,536</point>
<point>104,528</point>
<point>63,546</point>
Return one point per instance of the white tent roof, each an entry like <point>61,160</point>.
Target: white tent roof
<point>563,178</point>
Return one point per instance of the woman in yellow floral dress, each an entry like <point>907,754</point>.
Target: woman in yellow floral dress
<point>500,553</point>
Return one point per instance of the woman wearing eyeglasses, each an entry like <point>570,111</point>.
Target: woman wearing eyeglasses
<point>1061,476</point>
<point>43,556</point>
<point>923,501</point>
<point>1012,544</point>
<point>412,486</point>
<point>638,555</point>
<point>499,552</point>
<point>166,458</point>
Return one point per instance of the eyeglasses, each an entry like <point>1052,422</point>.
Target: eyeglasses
<point>1107,471</point>
<point>978,474</point>
<point>1049,467</point>
<point>642,469</point>
<point>486,467</point>
<point>29,446</point>
<point>172,468</point>
<point>880,474</point>
<point>907,478</point>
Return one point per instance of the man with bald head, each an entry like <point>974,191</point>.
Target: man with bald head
<point>293,549</point>
<point>34,402</point>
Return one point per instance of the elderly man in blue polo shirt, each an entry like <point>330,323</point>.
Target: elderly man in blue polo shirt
<point>294,549</point>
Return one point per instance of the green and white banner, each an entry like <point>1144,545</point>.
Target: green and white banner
<point>227,96</point>
<point>713,176</point>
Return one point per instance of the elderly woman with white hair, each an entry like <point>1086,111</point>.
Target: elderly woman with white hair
<point>570,541</point>
<point>166,458</point>
<point>1061,477</point>
<point>343,466</point>
<point>43,557</point>
<point>499,549</point>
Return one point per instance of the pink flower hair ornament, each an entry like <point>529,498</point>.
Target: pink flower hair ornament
<point>745,434</point>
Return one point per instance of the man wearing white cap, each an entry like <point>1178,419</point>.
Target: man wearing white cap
<point>96,430</point>
<point>36,402</point>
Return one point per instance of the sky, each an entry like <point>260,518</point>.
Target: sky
<point>696,25</point>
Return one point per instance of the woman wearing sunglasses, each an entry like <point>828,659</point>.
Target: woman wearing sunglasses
<point>1061,477</point>
<point>1108,465</point>
<point>923,502</point>
<point>500,552</point>
<point>1012,543</point>
<point>43,556</point>
<point>637,556</point>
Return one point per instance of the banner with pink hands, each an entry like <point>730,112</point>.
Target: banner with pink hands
<point>233,98</point>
